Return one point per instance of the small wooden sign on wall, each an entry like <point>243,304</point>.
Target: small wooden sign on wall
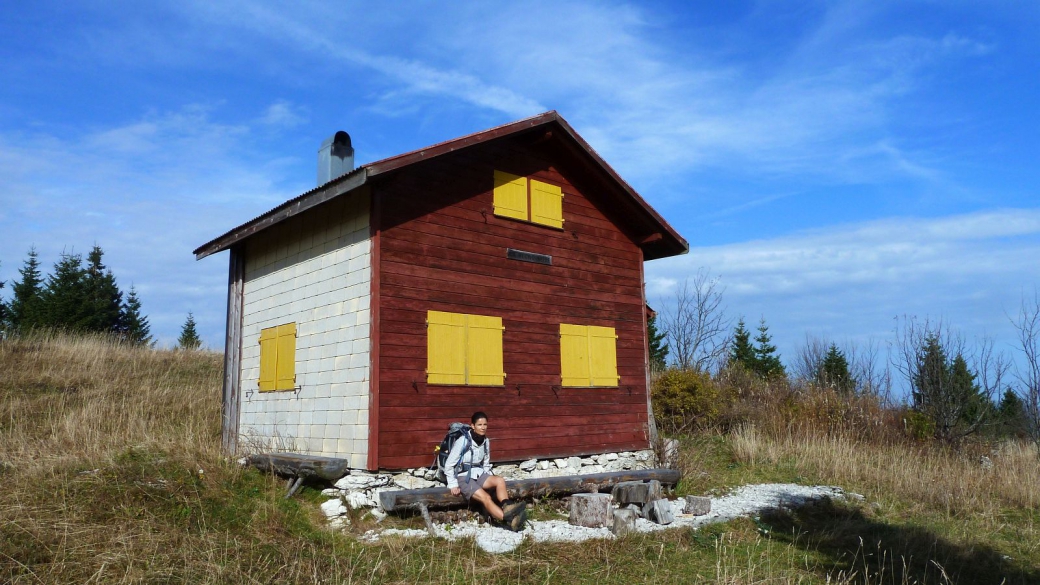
<point>528,257</point>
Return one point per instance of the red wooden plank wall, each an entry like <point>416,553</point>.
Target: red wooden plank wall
<point>442,248</point>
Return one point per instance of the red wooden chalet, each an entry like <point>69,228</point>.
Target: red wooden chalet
<point>500,271</point>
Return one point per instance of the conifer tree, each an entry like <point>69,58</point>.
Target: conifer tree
<point>657,345</point>
<point>65,296</point>
<point>104,299</point>
<point>3,310</point>
<point>741,352</point>
<point>133,326</point>
<point>189,338</point>
<point>1011,412</point>
<point>26,308</point>
<point>946,392</point>
<point>834,371</point>
<point>767,362</point>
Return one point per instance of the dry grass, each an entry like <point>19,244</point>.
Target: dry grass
<point>111,472</point>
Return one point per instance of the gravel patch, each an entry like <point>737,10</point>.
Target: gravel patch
<point>744,501</point>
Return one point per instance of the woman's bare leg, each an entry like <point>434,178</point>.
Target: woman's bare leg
<point>499,485</point>
<point>489,504</point>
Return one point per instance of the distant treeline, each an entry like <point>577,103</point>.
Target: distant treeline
<point>76,296</point>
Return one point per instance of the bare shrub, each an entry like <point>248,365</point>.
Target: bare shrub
<point>1027,323</point>
<point>696,325</point>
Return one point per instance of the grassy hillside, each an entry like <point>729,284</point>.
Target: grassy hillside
<point>110,471</point>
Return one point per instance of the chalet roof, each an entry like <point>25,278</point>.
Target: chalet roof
<point>658,240</point>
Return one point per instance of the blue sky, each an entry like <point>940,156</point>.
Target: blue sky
<point>837,164</point>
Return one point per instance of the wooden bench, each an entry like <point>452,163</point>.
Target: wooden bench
<point>565,484</point>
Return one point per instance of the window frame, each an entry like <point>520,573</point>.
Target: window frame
<point>505,198</point>
<point>477,351</point>
<point>578,360</point>
<point>277,358</point>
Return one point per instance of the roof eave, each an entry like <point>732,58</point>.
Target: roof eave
<point>330,190</point>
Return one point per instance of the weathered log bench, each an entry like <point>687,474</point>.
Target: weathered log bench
<point>396,500</point>
<point>300,468</point>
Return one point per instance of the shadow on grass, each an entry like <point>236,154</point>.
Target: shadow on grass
<point>876,552</point>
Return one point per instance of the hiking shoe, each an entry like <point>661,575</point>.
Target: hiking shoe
<point>510,508</point>
<point>519,521</point>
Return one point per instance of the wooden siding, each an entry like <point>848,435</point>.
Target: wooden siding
<point>442,248</point>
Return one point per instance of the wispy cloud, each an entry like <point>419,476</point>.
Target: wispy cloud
<point>148,192</point>
<point>853,279</point>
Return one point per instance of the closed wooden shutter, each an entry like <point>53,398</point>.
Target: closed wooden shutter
<point>510,195</point>
<point>445,348</point>
<point>484,351</point>
<point>546,204</point>
<point>603,356</point>
<point>286,371</point>
<point>574,355</point>
<point>268,358</point>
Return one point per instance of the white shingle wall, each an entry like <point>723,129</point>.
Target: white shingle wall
<point>314,270</point>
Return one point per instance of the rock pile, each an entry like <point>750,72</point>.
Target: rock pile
<point>361,489</point>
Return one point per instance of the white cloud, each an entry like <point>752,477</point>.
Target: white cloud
<point>282,114</point>
<point>852,280</point>
<point>148,192</point>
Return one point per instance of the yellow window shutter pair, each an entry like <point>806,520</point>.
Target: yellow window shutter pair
<point>588,355</point>
<point>278,358</point>
<point>464,349</point>
<point>513,193</point>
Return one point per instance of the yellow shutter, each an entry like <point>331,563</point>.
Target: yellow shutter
<point>510,195</point>
<point>268,358</point>
<point>445,348</point>
<point>286,371</point>
<point>546,204</point>
<point>484,351</point>
<point>603,356</point>
<point>574,355</point>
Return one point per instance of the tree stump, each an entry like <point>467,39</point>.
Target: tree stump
<point>637,492</point>
<point>697,505</point>
<point>624,522</point>
<point>659,511</point>
<point>591,510</point>
<point>631,492</point>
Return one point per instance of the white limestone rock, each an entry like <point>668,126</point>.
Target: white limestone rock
<point>360,481</point>
<point>529,465</point>
<point>331,492</point>
<point>359,500</point>
<point>561,463</point>
<point>574,463</point>
<point>609,457</point>
<point>410,482</point>
<point>333,508</point>
<point>544,465</point>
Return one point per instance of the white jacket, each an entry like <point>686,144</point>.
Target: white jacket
<point>479,457</point>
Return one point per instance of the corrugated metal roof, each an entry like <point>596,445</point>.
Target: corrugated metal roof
<point>670,242</point>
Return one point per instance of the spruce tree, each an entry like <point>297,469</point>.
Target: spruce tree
<point>133,325</point>
<point>65,296</point>
<point>103,297</point>
<point>189,338</point>
<point>1011,412</point>
<point>3,312</point>
<point>834,371</point>
<point>26,309</point>
<point>945,391</point>
<point>741,352</point>
<point>658,348</point>
<point>767,362</point>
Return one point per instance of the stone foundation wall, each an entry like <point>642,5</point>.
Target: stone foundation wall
<point>361,489</point>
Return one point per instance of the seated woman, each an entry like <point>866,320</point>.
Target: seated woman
<point>469,465</point>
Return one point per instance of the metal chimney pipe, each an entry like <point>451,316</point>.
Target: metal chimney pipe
<point>335,157</point>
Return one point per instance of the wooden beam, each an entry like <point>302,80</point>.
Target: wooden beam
<point>232,354</point>
<point>392,501</point>
<point>301,466</point>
